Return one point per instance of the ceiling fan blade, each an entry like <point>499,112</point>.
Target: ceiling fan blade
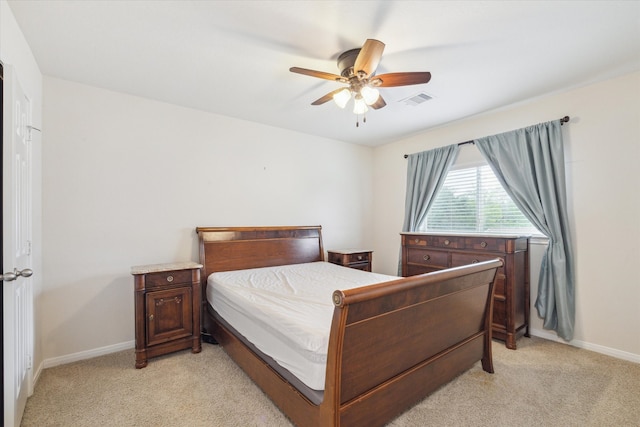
<point>319,74</point>
<point>401,79</point>
<point>327,97</point>
<point>378,104</point>
<point>369,57</point>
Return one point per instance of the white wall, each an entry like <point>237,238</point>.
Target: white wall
<point>602,155</point>
<point>16,53</point>
<point>127,180</point>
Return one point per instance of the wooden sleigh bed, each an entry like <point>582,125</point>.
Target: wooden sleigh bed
<point>390,344</point>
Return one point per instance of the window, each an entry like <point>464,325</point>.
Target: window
<point>473,201</point>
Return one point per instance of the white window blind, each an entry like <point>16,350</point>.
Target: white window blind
<point>473,201</point>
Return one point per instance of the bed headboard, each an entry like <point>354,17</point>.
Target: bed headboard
<point>237,248</point>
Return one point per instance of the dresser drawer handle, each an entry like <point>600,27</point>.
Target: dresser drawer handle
<point>416,241</point>
<point>474,261</point>
<point>151,317</point>
<point>169,279</point>
<point>483,244</point>
<point>426,257</point>
<point>359,257</point>
<point>446,242</point>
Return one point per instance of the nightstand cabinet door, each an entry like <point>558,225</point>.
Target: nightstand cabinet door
<point>169,315</point>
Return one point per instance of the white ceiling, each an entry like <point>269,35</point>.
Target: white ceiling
<point>233,57</point>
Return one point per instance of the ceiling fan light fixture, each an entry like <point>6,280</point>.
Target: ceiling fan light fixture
<point>370,95</point>
<point>342,97</point>
<point>359,105</point>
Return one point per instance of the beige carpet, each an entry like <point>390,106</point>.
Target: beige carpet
<point>541,384</point>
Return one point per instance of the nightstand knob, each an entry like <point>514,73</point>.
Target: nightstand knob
<point>169,279</point>
<point>426,257</point>
<point>359,257</point>
<point>483,244</point>
<point>151,317</point>
<point>474,261</point>
<point>446,242</point>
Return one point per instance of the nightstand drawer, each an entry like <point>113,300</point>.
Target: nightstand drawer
<point>168,278</point>
<point>338,258</point>
<point>364,266</point>
<point>358,259</point>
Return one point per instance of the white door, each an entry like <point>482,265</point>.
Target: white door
<point>17,310</point>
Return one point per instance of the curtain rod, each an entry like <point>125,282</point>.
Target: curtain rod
<point>563,120</point>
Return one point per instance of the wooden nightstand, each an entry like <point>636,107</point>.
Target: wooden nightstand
<point>353,258</point>
<point>167,309</point>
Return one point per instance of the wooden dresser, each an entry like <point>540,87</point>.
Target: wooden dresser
<point>167,309</point>
<point>427,252</point>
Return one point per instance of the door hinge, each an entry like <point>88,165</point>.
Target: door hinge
<point>31,129</point>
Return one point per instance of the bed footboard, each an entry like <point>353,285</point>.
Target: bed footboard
<point>394,343</point>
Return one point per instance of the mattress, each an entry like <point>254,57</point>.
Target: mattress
<point>286,311</point>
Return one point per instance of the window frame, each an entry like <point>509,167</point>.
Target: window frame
<point>423,227</point>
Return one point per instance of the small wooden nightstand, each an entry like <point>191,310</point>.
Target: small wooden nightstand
<point>353,258</point>
<point>167,309</point>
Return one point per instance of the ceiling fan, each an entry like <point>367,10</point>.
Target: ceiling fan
<point>357,70</point>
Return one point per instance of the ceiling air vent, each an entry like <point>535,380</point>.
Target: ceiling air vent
<point>417,99</point>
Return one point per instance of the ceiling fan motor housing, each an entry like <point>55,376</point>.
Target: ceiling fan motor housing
<point>346,61</point>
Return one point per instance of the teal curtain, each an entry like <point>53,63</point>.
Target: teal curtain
<point>529,163</point>
<point>426,172</point>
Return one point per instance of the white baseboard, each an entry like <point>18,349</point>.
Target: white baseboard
<point>74,357</point>
<point>69,358</point>
<point>618,354</point>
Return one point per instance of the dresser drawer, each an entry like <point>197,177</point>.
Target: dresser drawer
<point>166,278</point>
<point>415,241</point>
<point>458,259</point>
<point>445,242</point>
<point>414,269</point>
<point>428,257</point>
<point>485,244</point>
